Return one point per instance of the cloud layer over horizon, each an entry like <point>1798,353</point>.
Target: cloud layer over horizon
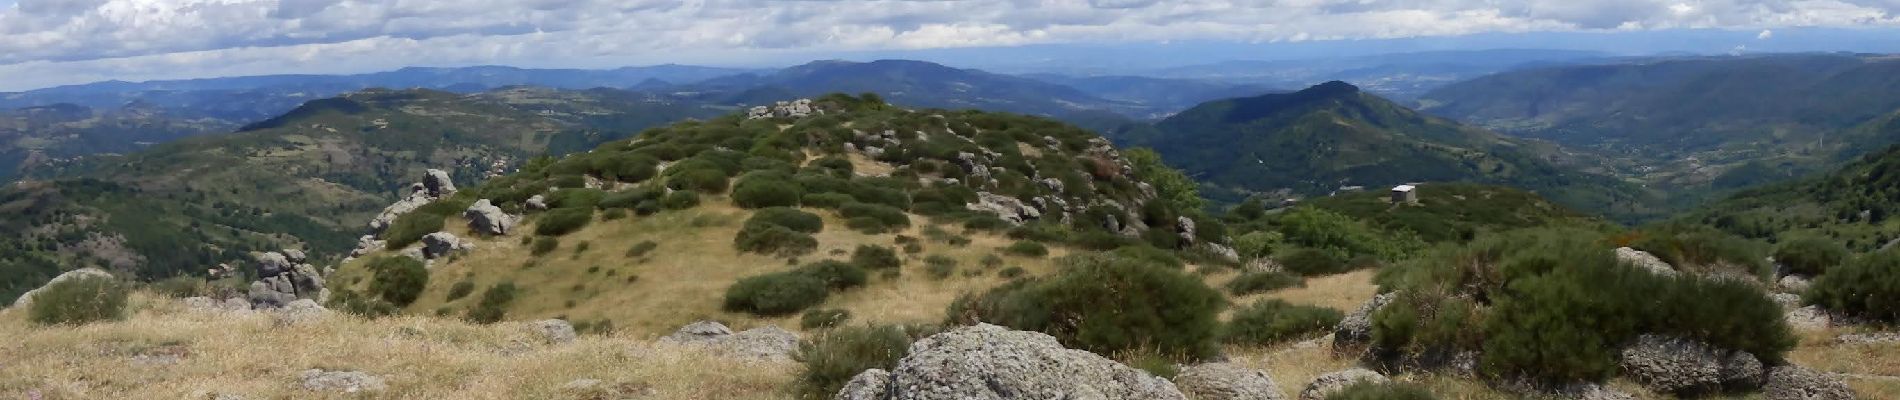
<point>65,41</point>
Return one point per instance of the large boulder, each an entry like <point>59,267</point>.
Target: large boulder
<point>1644,260</point>
<point>872,384</point>
<point>485,218</point>
<point>82,273</point>
<point>441,244</point>
<point>554,331</point>
<point>536,202</point>
<point>1226,381</point>
<point>437,183</point>
<point>1675,365</point>
<point>991,362</point>
<point>1331,383</point>
<point>1355,330</point>
<point>769,343</point>
<point>698,332</point>
<point>417,198</point>
<point>1794,382</point>
<point>281,281</point>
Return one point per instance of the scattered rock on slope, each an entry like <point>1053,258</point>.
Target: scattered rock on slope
<point>441,244</point>
<point>769,343</point>
<point>1328,384</point>
<point>1644,260</point>
<point>990,362</point>
<point>1675,365</point>
<point>1794,382</point>
<point>434,186</point>
<point>554,331</point>
<point>27,298</point>
<point>1356,329</point>
<point>486,218</point>
<point>1226,381</point>
<point>279,282</point>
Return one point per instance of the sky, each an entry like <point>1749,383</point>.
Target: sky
<point>52,42</point>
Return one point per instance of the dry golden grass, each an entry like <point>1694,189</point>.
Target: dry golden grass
<point>1873,370</point>
<point>419,357</point>
<point>684,279</point>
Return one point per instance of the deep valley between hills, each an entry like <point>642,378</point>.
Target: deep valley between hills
<point>935,234</point>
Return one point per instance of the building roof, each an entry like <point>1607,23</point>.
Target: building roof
<point>1403,188</point>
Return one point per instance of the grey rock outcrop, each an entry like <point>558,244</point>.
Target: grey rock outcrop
<point>437,183</point>
<point>1869,338</point>
<point>82,273</point>
<point>1675,365</point>
<point>985,362</point>
<point>1184,227</point>
<point>1355,329</point>
<point>1794,382</point>
<point>769,343</point>
<point>1331,383</point>
<point>318,380</point>
<point>367,244</point>
<point>484,217</point>
<point>872,384</point>
<point>441,244</point>
<point>1809,318</point>
<point>536,202</point>
<point>554,331</point>
<point>1226,381</point>
<point>785,109</point>
<point>1644,260</point>
<point>279,282</point>
<point>1005,207</point>
<point>1793,283</point>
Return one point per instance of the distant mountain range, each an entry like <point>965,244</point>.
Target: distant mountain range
<point>1334,137</point>
<point>1696,122</point>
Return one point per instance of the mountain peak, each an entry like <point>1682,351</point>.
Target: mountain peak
<point>1331,88</point>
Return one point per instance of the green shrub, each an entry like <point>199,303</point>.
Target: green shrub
<point>774,239</point>
<point>940,266</point>
<point>991,261</point>
<point>710,181</point>
<point>1011,272</point>
<point>1150,254</point>
<point>835,357</point>
<point>1312,262</point>
<point>1040,232</point>
<point>641,249</point>
<point>181,287</point>
<point>1100,240</point>
<point>1382,391</point>
<point>680,200</point>
<point>398,280</point>
<point>869,256</point>
<point>544,245</point>
<point>351,302</point>
<point>1868,286</point>
<point>562,221</point>
<point>410,228</point>
<point>79,301</point>
<point>1273,321</point>
<point>1106,305</point>
<point>613,214</point>
<point>1703,252</point>
<point>824,318</point>
<point>837,275</point>
<point>461,289</point>
<point>1810,256</point>
<point>1027,248</point>
<point>868,225</point>
<point>889,216</point>
<point>629,198</point>
<point>765,190</point>
<point>787,217</point>
<point>582,198</point>
<point>493,304</point>
<point>1262,282</point>
<point>776,293</point>
<point>826,200</point>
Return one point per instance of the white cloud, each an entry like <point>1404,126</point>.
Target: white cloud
<point>56,41</point>
<point>1765,34</point>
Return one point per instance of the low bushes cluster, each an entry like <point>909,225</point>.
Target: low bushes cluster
<point>1027,248</point>
<point>869,256</point>
<point>835,357</point>
<point>779,231</point>
<point>562,221</point>
<point>1810,256</point>
<point>1706,252</point>
<point>398,280</point>
<point>1273,321</point>
<point>493,304</point>
<point>823,318</point>
<point>1555,305</point>
<point>1262,282</point>
<point>1106,305</point>
<point>79,301</point>
<point>874,218</point>
<point>1312,262</point>
<point>783,293</point>
<point>1868,286</point>
<point>760,190</point>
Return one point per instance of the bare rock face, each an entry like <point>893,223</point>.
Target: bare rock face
<point>1005,207</point>
<point>1809,318</point>
<point>872,384</point>
<point>82,273</point>
<point>1644,260</point>
<point>698,332</point>
<point>1184,227</point>
<point>367,244</point>
<point>1675,365</point>
<point>536,202</point>
<point>486,218</point>
<point>437,183</point>
<point>1794,382</point>
<point>1226,381</point>
<point>318,380</point>
<point>785,109</point>
<point>985,362</point>
<point>1331,383</point>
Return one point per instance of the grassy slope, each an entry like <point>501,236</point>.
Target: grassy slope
<point>1453,211</point>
